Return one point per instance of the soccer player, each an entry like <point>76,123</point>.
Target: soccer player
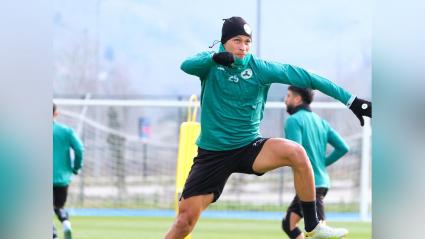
<point>64,139</point>
<point>234,87</point>
<point>313,133</point>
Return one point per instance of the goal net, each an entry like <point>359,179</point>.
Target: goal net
<point>131,152</point>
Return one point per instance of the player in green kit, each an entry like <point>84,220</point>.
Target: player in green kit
<point>313,133</point>
<point>234,87</point>
<point>64,139</point>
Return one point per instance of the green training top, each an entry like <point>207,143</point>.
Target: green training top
<point>233,98</point>
<point>314,133</point>
<point>64,139</point>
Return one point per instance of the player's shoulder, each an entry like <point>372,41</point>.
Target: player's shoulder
<point>272,64</point>
<point>257,59</point>
<point>62,128</point>
<point>302,118</point>
<point>323,121</point>
<point>203,54</point>
<point>58,125</point>
<point>261,63</point>
<point>294,119</point>
<point>302,113</point>
<point>317,117</point>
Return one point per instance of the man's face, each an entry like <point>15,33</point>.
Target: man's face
<point>292,100</point>
<point>239,45</point>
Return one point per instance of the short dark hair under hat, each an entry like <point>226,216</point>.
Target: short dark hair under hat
<point>234,26</point>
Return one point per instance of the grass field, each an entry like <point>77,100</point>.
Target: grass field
<point>154,228</point>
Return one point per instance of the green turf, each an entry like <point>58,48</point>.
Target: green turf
<point>154,228</point>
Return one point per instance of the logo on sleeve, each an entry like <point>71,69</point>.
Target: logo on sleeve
<point>246,74</point>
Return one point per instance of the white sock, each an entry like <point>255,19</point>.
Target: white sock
<point>66,225</point>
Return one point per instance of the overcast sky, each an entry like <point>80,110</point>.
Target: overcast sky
<point>149,39</point>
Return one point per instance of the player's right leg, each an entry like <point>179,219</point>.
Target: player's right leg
<point>204,184</point>
<point>60,193</point>
<point>189,211</point>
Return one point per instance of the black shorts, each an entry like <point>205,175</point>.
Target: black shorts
<point>211,169</point>
<point>60,193</point>
<point>295,205</point>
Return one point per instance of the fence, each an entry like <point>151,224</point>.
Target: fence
<point>131,152</point>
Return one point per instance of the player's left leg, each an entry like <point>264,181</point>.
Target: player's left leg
<point>59,199</point>
<point>320,205</point>
<point>276,153</point>
<point>322,232</point>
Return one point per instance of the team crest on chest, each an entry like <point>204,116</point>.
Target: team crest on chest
<point>246,74</point>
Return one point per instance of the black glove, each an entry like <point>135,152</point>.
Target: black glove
<point>223,58</point>
<point>75,172</point>
<point>361,108</point>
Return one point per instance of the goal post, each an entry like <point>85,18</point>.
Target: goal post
<point>187,149</point>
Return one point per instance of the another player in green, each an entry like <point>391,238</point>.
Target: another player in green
<point>313,133</point>
<point>64,139</point>
<point>234,87</point>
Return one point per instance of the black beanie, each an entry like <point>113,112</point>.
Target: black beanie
<point>234,26</point>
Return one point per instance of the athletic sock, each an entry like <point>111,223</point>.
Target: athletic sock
<point>62,214</point>
<point>66,225</point>
<point>310,215</point>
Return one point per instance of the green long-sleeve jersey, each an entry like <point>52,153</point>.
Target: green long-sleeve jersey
<point>233,98</point>
<point>65,139</point>
<point>314,133</point>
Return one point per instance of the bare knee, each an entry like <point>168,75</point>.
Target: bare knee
<point>185,222</point>
<point>299,158</point>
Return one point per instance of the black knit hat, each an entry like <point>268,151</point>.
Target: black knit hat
<point>234,26</point>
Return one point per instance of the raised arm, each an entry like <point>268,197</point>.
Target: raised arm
<point>292,75</point>
<point>199,64</point>
<point>273,72</point>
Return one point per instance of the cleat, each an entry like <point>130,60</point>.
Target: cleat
<point>323,231</point>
